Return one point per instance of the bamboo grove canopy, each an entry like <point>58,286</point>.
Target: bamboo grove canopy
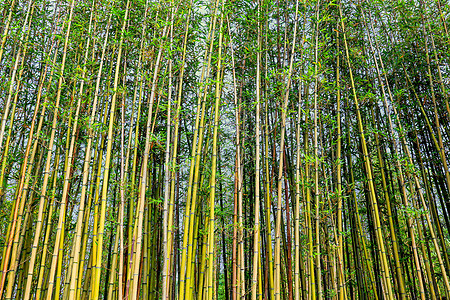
<point>224,149</point>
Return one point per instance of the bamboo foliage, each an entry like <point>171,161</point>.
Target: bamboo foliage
<point>224,149</point>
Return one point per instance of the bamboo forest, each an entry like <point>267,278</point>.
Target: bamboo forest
<point>225,149</point>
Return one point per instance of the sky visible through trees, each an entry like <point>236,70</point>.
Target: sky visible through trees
<point>224,149</point>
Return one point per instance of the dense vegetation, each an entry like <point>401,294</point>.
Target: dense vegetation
<point>224,149</point>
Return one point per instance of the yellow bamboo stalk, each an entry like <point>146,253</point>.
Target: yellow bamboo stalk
<point>277,266</point>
